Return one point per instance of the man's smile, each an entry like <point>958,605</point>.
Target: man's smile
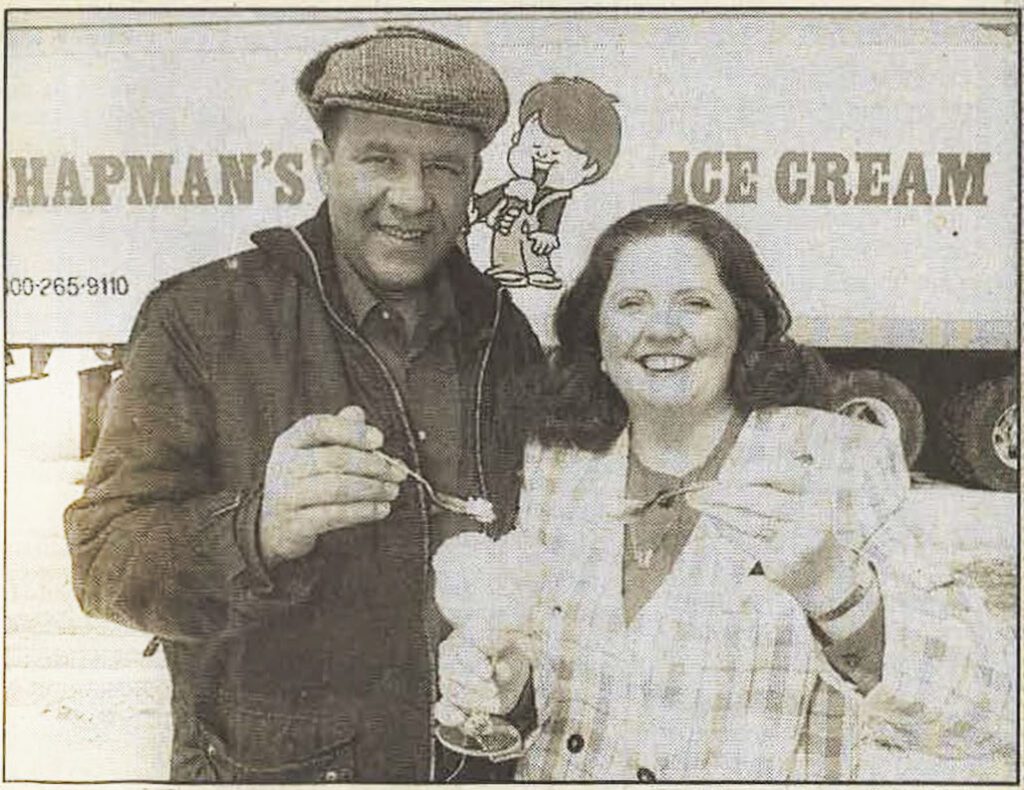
<point>402,233</point>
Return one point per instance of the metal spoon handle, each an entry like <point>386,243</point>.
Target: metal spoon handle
<point>664,497</point>
<point>403,467</point>
<point>481,511</point>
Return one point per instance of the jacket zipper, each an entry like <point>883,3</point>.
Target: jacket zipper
<point>337,319</point>
<point>479,396</point>
<point>411,442</point>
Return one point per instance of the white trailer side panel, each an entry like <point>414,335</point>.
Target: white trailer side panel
<point>209,91</point>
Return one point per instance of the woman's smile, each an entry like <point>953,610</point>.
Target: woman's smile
<point>664,363</point>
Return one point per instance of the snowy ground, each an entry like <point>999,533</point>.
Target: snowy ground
<point>83,704</point>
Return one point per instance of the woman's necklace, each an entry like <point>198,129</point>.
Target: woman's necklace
<point>652,528</point>
<point>643,557</point>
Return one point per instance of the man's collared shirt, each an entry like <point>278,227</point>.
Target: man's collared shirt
<point>417,341</point>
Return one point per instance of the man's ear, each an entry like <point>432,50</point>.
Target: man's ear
<point>590,169</point>
<point>322,159</point>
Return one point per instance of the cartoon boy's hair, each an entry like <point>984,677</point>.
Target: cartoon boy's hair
<point>579,112</point>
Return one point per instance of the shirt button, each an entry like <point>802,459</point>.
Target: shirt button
<point>421,435</point>
<point>645,774</point>
<point>575,743</point>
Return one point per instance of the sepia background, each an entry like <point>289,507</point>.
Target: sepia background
<point>871,158</point>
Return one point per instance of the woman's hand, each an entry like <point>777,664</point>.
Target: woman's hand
<point>478,677</point>
<point>783,516</point>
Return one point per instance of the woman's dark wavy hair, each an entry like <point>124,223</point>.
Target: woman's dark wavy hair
<point>583,407</point>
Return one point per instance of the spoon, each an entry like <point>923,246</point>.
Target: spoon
<point>664,498</point>
<point>478,508</point>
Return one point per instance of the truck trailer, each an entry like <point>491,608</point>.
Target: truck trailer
<point>871,157</point>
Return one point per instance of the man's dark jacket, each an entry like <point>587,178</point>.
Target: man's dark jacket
<point>320,669</point>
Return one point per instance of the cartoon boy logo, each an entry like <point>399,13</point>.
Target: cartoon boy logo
<point>568,136</point>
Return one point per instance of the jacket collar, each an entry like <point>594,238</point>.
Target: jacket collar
<point>475,294</point>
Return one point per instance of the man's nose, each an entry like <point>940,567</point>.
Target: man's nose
<point>409,192</point>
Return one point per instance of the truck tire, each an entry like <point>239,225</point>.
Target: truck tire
<point>876,397</point>
<point>980,432</point>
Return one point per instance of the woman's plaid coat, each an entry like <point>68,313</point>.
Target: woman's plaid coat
<point>719,676</point>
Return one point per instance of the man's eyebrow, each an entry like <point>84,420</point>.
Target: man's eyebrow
<point>380,147</point>
<point>374,146</point>
<point>449,157</point>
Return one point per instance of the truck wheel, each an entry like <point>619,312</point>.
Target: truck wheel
<point>980,428</point>
<point>881,399</point>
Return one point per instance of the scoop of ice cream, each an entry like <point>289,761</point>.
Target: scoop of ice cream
<point>487,587</point>
<point>463,568</point>
<point>523,188</point>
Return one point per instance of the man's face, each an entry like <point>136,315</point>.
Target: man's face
<point>397,191</point>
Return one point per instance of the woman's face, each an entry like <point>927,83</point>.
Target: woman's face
<point>668,327</point>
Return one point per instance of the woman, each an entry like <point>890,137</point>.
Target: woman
<point>706,607</point>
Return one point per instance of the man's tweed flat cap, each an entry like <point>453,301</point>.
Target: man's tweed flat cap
<point>410,73</point>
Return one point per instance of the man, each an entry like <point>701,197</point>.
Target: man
<point>240,505</point>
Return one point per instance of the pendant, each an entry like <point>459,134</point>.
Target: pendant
<point>643,557</point>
